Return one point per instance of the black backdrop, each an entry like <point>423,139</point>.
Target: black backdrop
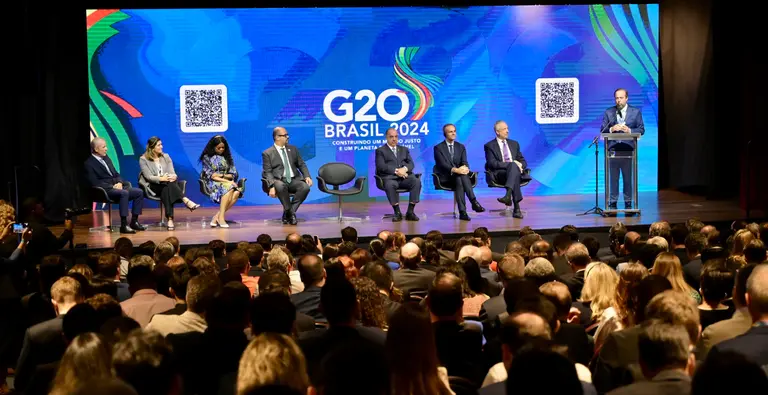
<point>709,109</point>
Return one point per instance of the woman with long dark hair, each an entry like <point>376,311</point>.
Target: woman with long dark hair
<point>220,177</point>
<point>159,179</point>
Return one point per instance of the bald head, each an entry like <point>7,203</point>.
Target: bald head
<point>485,256</point>
<point>446,297</point>
<point>384,235</point>
<point>531,324</point>
<point>468,250</point>
<point>410,255</point>
<point>707,229</point>
<point>757,293</point>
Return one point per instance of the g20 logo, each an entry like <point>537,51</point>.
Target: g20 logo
<point>359,109</point>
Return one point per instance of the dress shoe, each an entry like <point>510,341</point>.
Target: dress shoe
<point>170,225</point>
<point>476,207</point>
<point>628,206</point>
<point>409,216</point>
<point>507,201</point>
<point>517,213</point>
<point>397,217</point>
<point>612,206</point>
<point>292,219</point>
<point>192,206</point>
<point>463,216</point>
<point>125,229</point>
<point>286,217</point>
<point>135,225</point>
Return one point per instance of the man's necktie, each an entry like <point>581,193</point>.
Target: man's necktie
<point>103,162</point>
<point>450,150</point>
<point>394,151</point>
<point>507,154</point>
<point>286,168</point>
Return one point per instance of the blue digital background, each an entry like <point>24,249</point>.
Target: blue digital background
<point>279,64</point>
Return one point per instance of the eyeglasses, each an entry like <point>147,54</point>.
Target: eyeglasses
<point>283,135</point>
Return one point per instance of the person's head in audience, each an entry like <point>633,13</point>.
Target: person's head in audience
<point>577,256</point>
<point>87,357</point>
<point>560,296</point>
<point>339,304</point>
<point>730,373</point>
<point>541,249</point>
<point>219,248</point>
<point>675,308</point>
<point>446,298</point>
<point>755,251</point>
<point>528,240</point>
<point>330,251</point>
<point>203,266</point>
<point>650,286</point>
<point>124,247</point>
<point>571,231</point>
<point>679,233</point>
<point>293,243</point>
<point>526,230</point>
<point>205,252</point>
<point>464,241</point>
<point>175,243</point>
<point>540,271</point>
<point>116,329</point>
<point>85,285</point>
<point>242,244</point>
<point>757,293</point>
<point>629,280</point>
<point>419,242</point>
<point>714,252</point>
<point>360,257</point>
<point>410,256</point>
<point>593,245</point>
<point>661,229</point>
<point>694,225</point>
<point>334,269</point>
<point>278,259</point>
<point>561,242</point>
<point>648,253</point>
<point>146,248</point>
<point>436,237</point>
<point>372,307</point>
<point>600,283</point>
<point>412,353</point>
<point>92,260</point>
<point>52,268</point>
<point>141,274</point>
<point>717,281</point>
<point>238,262</point>
<point>255,254</point>
<point>484,257</point>
<point>265,241</point>
<point>511,267</point>
<point>467,251</point>
<point>664,347</point>
<point>660,242</point>
<point>542,372</point>
<point>272,312</point>
<point>695,243</point>
<point>740,241</point>
<point>163,252</point>
<point>377,249</point>
<point>482,235</point>
<point>201,290</point>
<point>105,306</point>
<point>308,244</point>
<point>82,269</point>
<point>381,274</point>
<point>275,280</point>
<point>190,255</point>
<point>145,361</point>
<point>229,309</point>
<point>616,235</point>
<point>349,234</point>
<point>631,240</point>
<point>667,264</point>
<point>740,286</point>
<point>175,261</point>
<point>311,270</point>
<point>272,359</point>
<point>346,248</point>
<point>81,318</point>
<point>524,331</point>
<point>66,292</point>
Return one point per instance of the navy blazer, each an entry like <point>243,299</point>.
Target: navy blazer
<point>98,176</point>
<point>633,120</point>
<point>494,159</point>
<point>273,168</point>
<point>386,162</point>
<point>444,162</point>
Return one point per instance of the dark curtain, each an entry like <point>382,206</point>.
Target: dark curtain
<point>709,107</point>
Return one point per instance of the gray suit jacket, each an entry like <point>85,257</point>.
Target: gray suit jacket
<point>273,168</point>
<point>722,331</point>
<point>149,172</point>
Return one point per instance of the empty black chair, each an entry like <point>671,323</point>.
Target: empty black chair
<point>336,174</point>
<point>380,185</point>
<point>441,187</point>
<point>493,183</point>
<point>99,195</point>
<point>156,198</point>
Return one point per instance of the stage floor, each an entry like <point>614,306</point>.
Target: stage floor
<point>542,213</point>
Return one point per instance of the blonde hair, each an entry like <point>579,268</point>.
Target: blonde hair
<point>7,214</point>
<point>740,240</point>
<point>83,269</point>
<point>272,359</point>
<point>667,264</point>
<point>600,282</point>
<point>88,357</point>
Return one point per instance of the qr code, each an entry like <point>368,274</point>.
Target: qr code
<point>203,108</point>
<point>557,100</point>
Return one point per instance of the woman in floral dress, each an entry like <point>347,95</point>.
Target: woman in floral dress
<point>220,178</point>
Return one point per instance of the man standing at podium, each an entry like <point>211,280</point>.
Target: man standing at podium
<point>621,118</point>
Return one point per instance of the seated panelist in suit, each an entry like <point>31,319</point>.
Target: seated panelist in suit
<point>159,179</point>
<point>452,169</point>
<point>395,167</point>
<point>504,159</point>
<point>286,174</point>
<point>100,172</point>
<point>220,177</point>
<point>621,118</point>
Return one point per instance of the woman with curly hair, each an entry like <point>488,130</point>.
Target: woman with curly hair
<point>220,177</point>
<point>372,303</point>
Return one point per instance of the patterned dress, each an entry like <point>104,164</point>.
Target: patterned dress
<point>217,164</point>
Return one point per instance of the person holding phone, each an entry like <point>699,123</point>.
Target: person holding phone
<point>158,178</point>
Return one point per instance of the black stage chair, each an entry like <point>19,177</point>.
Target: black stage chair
<point>441,187</point>
<point>156,198</point>
<point>99,195</point>
<point>336,174</point>
<point>492,183</point>
<point>380,185</point>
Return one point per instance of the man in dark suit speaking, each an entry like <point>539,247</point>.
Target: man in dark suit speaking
<point>395,167</point>
<point>286,174</point>
<point>621,118</point>
<point>100,172</point>
<point>504,159</point>
<point>452,169</point>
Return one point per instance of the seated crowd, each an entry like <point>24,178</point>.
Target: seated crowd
<point>681,309</point>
